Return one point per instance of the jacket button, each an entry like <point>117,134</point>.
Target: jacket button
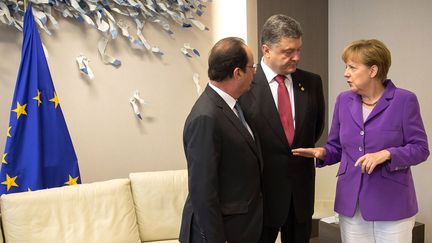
<point>360,149</point>
<point>362,133</point>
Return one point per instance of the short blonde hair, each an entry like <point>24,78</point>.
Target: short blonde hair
<point>369,52</point>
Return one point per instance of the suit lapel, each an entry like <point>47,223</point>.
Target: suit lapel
<point>301,103</point>
<point>356,109</point>
<point>229,113</point>
<point>269,108</point>
<point>383,102</point>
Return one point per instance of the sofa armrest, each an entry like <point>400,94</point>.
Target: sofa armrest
<point>159,199</point>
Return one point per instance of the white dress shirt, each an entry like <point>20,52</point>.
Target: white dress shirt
<point>230,102</point>
<point>270,75</point>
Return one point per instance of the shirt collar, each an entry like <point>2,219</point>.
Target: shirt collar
<point>226,97</point>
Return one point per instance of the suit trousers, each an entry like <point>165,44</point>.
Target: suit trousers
<point>357,230</point>
<point>292,231</point>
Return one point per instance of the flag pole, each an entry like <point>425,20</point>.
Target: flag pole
<point>25,5</point>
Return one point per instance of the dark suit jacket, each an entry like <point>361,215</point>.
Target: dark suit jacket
<point>287,178</point>
<point>224,175</point>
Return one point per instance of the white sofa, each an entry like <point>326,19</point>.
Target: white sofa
<point>146,207</point>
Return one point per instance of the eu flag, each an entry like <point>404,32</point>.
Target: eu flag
<point>39,153</point>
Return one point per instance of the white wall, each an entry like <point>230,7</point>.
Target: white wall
<point>236,18</point>
<point>405,27</point>
<point>230,19</point>
<point>108,139</point>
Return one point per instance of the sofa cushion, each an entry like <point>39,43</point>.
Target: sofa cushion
<point>96,212</point>
<point>162,241</point>
<point>159,199</point>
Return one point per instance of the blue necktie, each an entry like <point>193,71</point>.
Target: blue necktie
<point>240,114</point>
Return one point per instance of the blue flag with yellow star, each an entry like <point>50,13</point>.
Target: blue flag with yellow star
<point>39,153</point>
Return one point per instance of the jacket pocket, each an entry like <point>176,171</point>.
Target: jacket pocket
<point>402,176</point>
<point>343,165</point>
<point>234,208</point>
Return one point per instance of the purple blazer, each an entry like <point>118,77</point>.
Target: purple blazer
<point>394,124</point>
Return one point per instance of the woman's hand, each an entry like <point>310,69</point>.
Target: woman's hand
<point>368,162</point>
<point>319,153</point>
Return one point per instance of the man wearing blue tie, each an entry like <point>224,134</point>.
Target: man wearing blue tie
<point>223,156</point>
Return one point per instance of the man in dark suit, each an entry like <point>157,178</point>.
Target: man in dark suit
<point>223,156</point>
<point>286,105</point>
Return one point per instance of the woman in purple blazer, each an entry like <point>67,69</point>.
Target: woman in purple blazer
<point>377,134</point>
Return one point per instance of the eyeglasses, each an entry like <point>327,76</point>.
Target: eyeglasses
<point>254,66</point>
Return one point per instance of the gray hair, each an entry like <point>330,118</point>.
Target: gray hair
<point>280,26</point>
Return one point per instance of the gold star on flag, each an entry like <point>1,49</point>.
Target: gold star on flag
<point>4,158</point>
<point>28,189</point>
<point>55,100</point>
<point>20,110</point>
<point>38,98</point>
<point>9,182</point>
<point>72,181</point>
<point>8,132</point>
